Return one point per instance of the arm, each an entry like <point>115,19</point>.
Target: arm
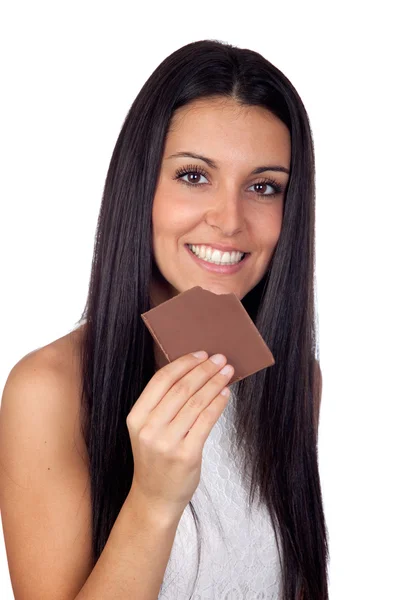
<point>45,501</point>
<point>133,562</point>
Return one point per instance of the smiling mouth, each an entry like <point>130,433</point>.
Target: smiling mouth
<point>222,250</point>
<point>207,258</point>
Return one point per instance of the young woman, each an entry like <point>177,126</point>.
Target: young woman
<point>123,477</point>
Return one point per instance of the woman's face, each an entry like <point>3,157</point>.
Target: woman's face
<point>220,202</point>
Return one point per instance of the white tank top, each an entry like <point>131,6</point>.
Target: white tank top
<point>239,555</point>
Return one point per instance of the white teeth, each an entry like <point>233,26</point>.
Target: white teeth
<point>215,256</point>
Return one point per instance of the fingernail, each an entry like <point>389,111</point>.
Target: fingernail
<point>217,359</point>
<point>200,354</point>
<point>227,370</point>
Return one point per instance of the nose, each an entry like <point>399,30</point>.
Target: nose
<point>226,213</point>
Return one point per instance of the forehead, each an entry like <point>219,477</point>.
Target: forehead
<point>221,127</point>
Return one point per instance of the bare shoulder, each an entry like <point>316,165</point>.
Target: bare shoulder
<point>317,377</point>
<point>49,378</point>
<point>44,479</point>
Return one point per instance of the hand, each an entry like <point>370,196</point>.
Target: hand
<point>168,426</point>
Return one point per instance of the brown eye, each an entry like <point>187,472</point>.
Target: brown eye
<point>277,187</point>
<point>191,170</point>
<point>193,177</point>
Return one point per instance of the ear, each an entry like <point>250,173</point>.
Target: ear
<point>317,393</point>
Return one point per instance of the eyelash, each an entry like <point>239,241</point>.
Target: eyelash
<point>179,173</point>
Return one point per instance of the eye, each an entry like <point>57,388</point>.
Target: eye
<point>191,170</point>
<point>277,187</point>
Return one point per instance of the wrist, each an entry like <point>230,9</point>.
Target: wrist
<point>154,515</point>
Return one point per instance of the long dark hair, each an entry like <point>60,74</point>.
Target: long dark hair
<point>275,415</point>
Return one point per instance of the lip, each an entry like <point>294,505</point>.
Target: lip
<point>222,247</point>
<point>221,269</point>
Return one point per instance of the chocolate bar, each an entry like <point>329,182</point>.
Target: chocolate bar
<point>198,319</point>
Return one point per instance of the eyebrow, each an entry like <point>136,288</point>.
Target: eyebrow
<point>211,163</point>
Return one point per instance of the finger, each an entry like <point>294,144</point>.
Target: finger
<point>183,390</point>
<point>200,430</point>
<point>162,381</point>
<point>197,403</point>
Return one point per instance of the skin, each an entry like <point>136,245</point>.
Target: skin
<point>224,206</point>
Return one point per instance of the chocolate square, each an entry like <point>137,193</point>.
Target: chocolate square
<point>198,319</point>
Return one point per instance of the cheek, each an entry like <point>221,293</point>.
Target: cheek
<point>172,215</point>
<point>269,227</point>
<point>276,222</point>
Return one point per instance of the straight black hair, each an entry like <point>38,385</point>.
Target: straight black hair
<point>276,417</point>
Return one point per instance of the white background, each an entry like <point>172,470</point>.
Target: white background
<point>69,75</point>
